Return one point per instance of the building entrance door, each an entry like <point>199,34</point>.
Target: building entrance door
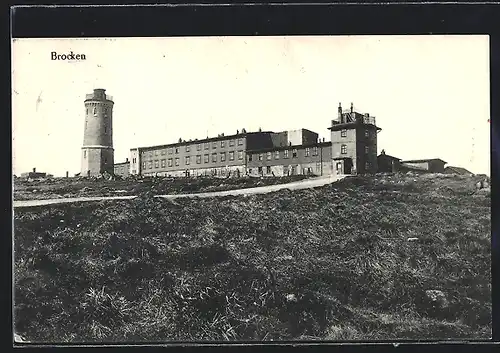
<point>339,167</point>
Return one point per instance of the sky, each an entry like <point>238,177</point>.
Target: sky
<point>429,94</point>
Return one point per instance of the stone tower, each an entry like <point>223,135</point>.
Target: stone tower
<point>97,150</point>
<point>354,142</point>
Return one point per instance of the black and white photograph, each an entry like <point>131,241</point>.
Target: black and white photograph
<point>251,189</point>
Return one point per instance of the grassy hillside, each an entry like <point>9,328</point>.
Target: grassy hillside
<point>78,187</point>
<point>386,257</point>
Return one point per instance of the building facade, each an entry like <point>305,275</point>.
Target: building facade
<point>97,150</point>
<point>352,150</point>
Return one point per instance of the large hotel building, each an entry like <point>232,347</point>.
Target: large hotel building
<point>352,150</point>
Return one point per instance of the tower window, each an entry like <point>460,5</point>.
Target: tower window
<point>367,133</point>
<point>105,129</point>
<point>343,133</point>
<point>84,154</point>
<point>367,149</point>
<point>95,111</point>
<point>343,149</point>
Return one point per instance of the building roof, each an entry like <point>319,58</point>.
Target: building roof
<point>423,160</point>
<point>122,163</point>
<point>388,156</point>
<point>457,170</point>
<point>205,140</point>
<point>287,147</point>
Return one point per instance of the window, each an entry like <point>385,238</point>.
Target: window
<point>367,166</point>
<point>163,152</point>
<point>250,157</point>
<point>223,156</point>
<point>150,153</point>
<point>188,148</point>
<point>285,154</point>
<point>143,165</point>
<point>343,149</point>
<point>268,169</point>
<point>367,149</point>
<point>170,150</point>
<point>176,162</point>
<point>231,156</point>
<point>207,146</point>
<point>249,170</point>
<point>231,142</point>
<point>150,165</point>
<point>187,160</point>
<point>240,142</point>
<point>367,133</point>
<point>315,151</point>
<point>156,153</point>
<point>157,163</point>
<point>134,160</point>
<point>206,158</point>
<point>260,170</point>
<point>343,133</point>
<point>198,159</point>
<point>85,154</point>
<point>269,156</point>
<point>260,157</point>
<point>214,157</point>
<point>169,162</point>
<point>222,143</point>
<point>307,152</point>
<point>95,111</point>
<point>294,153</point>
<point>277,155</point>
<point>87,111</point>
<point>214,144</point>
<point>163,163</point>
<point>198,147</point>
<point>240,155</point>
<point>176,150</point>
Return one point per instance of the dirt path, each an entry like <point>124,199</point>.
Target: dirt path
<point>303,184</point>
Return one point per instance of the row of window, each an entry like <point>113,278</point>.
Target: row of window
<point>187,160</point>
<point>286,154</point>
<point>206,145</point>
<point>343,149</point>
<point>94,111</point>
<point>343,133</point>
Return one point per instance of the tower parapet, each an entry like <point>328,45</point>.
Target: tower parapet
<point>97,150</point>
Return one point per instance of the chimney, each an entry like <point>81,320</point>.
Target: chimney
<point>237,132</point>
<point>34,170</point>
<point>67,174</point>
<point>352,108</point>
<point>340,113</point>
<point>126,160</point>
<point>323,139</point>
